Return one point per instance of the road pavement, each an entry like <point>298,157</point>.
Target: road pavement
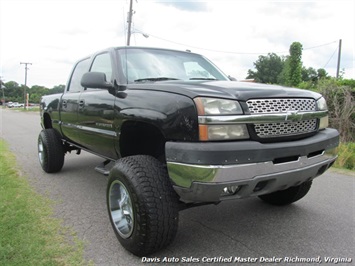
<point>318,227</point>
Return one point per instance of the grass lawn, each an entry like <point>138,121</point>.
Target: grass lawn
<point>29,235</point>
<point>29,109</point>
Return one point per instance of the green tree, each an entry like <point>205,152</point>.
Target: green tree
<point>56,89</point>
<point>309,74</point>
<point>311,78</point>
<point>322,73</point>
<point>268,69</point>
<point>2,91</point>
<point>13,92</point>
<point>36,92</point>
<point>294,65</point>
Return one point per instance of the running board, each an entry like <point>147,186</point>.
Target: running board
<point>101,168</point>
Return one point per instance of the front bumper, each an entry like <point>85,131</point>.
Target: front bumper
<point>211,172</point>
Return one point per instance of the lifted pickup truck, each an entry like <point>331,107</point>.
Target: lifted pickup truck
<point>178,133</point>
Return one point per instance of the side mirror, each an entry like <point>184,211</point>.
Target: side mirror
<point>95,80</point>
<point>232,78</point>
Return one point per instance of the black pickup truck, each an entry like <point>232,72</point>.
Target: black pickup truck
<point>175,132</point>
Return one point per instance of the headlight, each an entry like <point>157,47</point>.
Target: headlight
<point>223,132</point>
<point>210,106</point>
<point>321,104</point>
<point>220,107</point>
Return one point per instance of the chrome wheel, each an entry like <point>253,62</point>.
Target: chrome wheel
<point>142,204</point>
<point>120,209</point>
<point>40,151</point>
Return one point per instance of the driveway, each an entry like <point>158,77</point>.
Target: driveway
<point>320,226</point>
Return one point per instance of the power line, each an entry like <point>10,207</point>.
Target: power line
<point>313,47</point>
<point>330,57</point>
<point>195,47</point>
<point>232,52</point>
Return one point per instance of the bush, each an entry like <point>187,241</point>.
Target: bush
<point>346,156</point>
<point>341,106</point>
<point>347,82</point>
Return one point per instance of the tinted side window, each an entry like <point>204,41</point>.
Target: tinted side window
<point>80,69</point>
<point>102,63</point>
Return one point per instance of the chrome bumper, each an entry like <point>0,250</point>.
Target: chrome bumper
<point>215,171</point>
<point>213,183</point>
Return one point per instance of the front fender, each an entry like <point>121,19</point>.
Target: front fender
<point>49,111</point>
<point>175,116</point>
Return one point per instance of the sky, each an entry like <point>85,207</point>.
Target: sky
<point>53,35</point>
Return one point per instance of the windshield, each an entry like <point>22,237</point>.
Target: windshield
<point>151,65</point>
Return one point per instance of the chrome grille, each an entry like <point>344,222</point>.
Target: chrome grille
<point>272,130</point>
<point>280,105</point>
<point>282,129</point>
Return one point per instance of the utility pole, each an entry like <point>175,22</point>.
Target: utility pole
<point>129,21</point>
<point>24,90</point>
<point>339,55</point>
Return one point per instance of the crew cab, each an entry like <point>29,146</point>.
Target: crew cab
<point>175,132</point>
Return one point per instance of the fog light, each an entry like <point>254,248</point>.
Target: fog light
<point>230,190</point>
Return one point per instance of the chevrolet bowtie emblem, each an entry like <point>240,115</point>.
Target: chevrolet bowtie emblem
<point>293,116</point>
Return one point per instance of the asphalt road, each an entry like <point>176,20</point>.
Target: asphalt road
<point>321,224</point>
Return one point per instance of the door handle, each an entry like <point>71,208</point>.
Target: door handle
<point>64,103</point>
<point>81,103</point>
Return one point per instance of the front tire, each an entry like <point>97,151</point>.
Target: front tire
<point>287,196</point>
<point>142,205</point>
<point>50,150</point>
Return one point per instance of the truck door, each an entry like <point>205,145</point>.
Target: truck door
<point>69,104</point>
<point>96,113</point>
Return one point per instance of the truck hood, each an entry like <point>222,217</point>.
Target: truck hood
<point>241,91</point>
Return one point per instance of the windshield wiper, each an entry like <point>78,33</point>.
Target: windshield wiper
<point>203,79</point>
<point>155,79</point>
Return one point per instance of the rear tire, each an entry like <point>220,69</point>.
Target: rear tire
<point>142,205</point>
<point>50,150</point>
<point>288,196</point>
